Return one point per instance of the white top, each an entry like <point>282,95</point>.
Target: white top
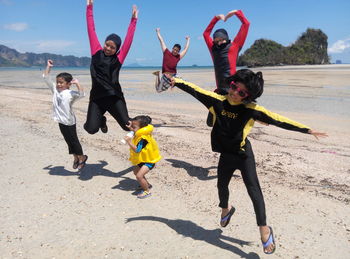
<point>62,103</point>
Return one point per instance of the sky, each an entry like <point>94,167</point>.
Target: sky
<point>59,26</point>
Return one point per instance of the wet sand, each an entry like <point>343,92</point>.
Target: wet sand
<point>48,210</point>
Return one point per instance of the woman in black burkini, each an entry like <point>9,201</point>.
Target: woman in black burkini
<point>106,93</point>
<point>234,117</point>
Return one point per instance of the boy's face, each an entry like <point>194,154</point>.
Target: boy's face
<point>61,84</point>
<point>135,125</point>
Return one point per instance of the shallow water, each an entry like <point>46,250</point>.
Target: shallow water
<point>318,90</point>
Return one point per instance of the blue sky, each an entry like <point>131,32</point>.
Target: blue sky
<point>58,26</point>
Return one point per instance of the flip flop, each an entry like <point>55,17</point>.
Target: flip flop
<point>270,240</point>
<point>75,164</point>
<point>225,220</point>
<point>82,163</point>
<point>143,195</point>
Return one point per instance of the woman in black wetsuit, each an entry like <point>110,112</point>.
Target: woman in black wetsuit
<point>106,93</point>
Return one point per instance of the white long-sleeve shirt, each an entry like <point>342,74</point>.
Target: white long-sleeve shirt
<point>62,111</point>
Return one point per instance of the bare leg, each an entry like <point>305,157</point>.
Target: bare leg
<point>157,82</point>
<point>140,177</point>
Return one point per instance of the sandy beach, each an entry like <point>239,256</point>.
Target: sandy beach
<point>49,210</point>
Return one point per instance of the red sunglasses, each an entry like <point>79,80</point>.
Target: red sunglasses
<point>240,92</point>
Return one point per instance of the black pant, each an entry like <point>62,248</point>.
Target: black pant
<point>114,105</point>
<point>70,136</point>
<point>228,163</point>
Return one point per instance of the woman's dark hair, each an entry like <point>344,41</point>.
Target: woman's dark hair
<point>66,76</point>
<point>177,46</point>
<point>143,119</point>
<point>254,83</point>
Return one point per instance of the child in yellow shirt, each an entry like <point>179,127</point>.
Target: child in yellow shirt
<point>144,152</point>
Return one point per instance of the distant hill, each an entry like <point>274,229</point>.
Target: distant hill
<point>12,58</point>
<point>310,48</point>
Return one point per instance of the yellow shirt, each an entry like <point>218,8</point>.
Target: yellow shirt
<point>150,153</point>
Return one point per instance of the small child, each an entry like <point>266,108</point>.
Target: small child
<point>144,152</point>
<point>170,60</point>
<point>63,99</point>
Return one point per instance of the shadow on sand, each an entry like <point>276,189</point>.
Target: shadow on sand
<point>214,237</point>
<point>91,170</point>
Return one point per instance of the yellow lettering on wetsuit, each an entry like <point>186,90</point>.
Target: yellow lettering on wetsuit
<point>228,114</point>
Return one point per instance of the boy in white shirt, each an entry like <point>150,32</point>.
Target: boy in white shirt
<point>63,99</point>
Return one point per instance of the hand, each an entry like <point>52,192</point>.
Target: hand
<point>187,37</point>
<point>158,30</point>
<point>75,81</point>
<point>318,134</point>
<point>89,2</point>
<point>135,12</point>
<point>229,14</point>
<point>221,17</point>
<point>49,63</point>
<point>129,125</point>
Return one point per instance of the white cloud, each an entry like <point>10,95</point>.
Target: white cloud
<point>339,46</point>
<point>20,26</point>
<point>52,46</point>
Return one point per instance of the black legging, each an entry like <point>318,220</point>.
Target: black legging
<point>228,163</point>
<point>70,136</point>
<point>114,105</point>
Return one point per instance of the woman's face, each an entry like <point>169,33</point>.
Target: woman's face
<point>109,48</point>
<point>237,92</point>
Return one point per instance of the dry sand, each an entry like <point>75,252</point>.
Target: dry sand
<point>48,210</point>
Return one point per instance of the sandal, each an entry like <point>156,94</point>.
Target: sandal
<point>75,164</point>
<point>270,240</point>
<point>82,163</point>
<point>225,220</point>
<point>144,194</point>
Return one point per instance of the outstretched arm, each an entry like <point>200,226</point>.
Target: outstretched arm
<point>161,41</point>
<point>129,35</point>
<point>94,44</point>
<point>317,134</point>
<point>183,53</point>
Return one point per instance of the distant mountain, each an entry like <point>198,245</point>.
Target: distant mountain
<point>310,48</point>
<point>12,58</point>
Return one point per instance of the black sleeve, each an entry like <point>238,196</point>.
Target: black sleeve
<point>264,115</point>
<point>208,98</point>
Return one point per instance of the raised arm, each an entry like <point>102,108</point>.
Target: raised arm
<point>80,93</point>
<point>47,77</point>
<point>206,34</point>
<point>49,65</point>
<point>129,36</point>
<point>183,53</point>
<point>161,41</point>
<point>94,43</point>
<point>243,31</point>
